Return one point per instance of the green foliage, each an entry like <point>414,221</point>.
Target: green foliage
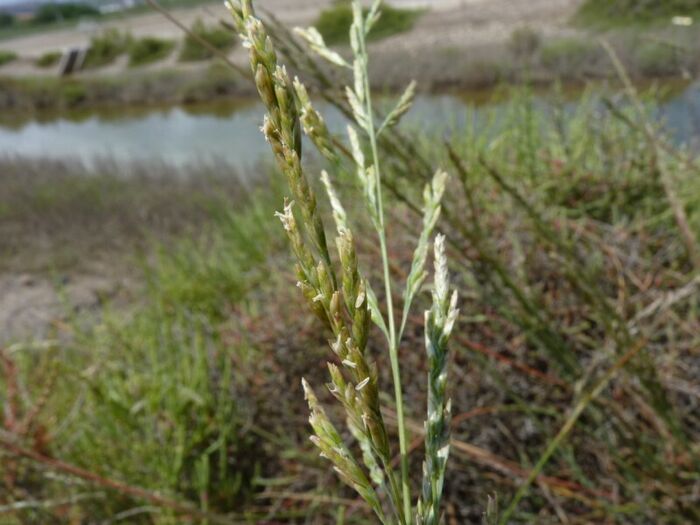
<point>163,397</point>
<point>56,12</point>
<point>49,59</point>
<point>611,12</point>
<point>106,47</point>
<point>6,20</point>
<point>7,57</point>
<point>657,59</point>
<point>218,37</point>
<point>73,94</point>
<point>334,23</point>
<point>210,278</point>
<point>148,50</point>
<point>569,56</point>
<point>161,408</point>
<point>524,42</point>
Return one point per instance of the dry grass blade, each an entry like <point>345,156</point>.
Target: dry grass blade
<point>568,426</point>
<point>122,488</point>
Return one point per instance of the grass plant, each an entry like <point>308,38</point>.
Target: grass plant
<point>167,410</point>
<point>567,255</point>
<point>346,302</point>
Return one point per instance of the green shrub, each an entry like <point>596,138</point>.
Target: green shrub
<point>56,12</point>
<point>654,59</point>
<point>7,56</point>
<point>149,49</point>
<point>217,37</point>
<point>334,23</point>
<point>6,20</point>
<point>49,59</point>
<point>524,42</point>
<point>73,94</point>
<point>217,81</point>
<point>568,56</point>
<point>607,12</point>
<point>106,47</point>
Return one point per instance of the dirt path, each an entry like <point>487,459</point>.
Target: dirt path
<point>467,23</point>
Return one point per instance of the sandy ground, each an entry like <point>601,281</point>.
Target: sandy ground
<point>456,24</point>
<point>37,307</point>
<point>469,23</point>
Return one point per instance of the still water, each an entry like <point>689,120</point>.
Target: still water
<point>229,131</point>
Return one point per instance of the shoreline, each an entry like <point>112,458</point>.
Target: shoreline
<point>23,98</point>
<point>33,96</point>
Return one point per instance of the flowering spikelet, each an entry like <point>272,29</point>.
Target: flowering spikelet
<point>439,321</point>
<point>314,125</point>
<point>331,445</point>
<point>281,126</point>
<point>432,194</point>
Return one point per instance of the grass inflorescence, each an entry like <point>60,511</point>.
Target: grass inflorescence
<point>346,302</point>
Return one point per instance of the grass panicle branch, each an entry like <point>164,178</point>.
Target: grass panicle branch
<point>332,447</point>
<point>439,321</point>
<point>432,195</point>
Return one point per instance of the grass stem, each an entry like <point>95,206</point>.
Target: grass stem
<point>393,343</point>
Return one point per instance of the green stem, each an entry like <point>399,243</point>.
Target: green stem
<point>393,345</point>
